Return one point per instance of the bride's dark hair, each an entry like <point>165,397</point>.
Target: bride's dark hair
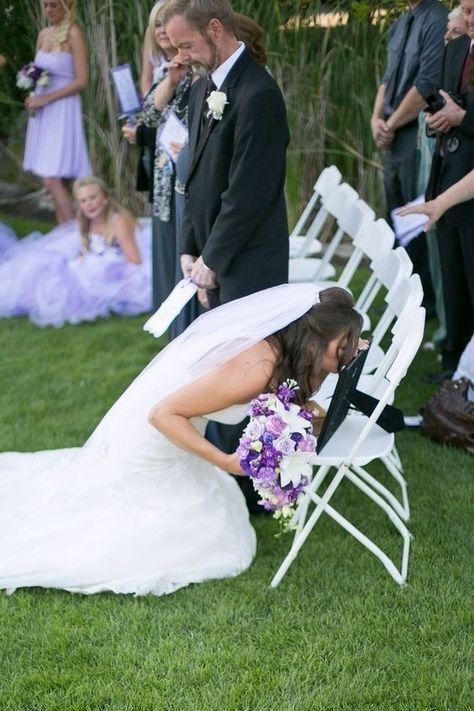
<point>301,345</point>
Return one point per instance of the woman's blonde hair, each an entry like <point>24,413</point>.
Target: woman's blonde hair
<point>113,207</point>
<point>150,36</point>
<point>61,32</point>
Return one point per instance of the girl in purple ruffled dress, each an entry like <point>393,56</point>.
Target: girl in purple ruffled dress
<point>82,270</point>
<point>55,146</point>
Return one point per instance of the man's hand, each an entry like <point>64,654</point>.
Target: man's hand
<point>450,116</point>
<point>203,298</point>
<point>187,263</point>
<point>382,133</point>
<point>202,276</point>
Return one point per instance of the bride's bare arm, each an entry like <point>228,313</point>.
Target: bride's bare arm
<point>237,381</point>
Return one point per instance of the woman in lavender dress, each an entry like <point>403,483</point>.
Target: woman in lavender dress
<point>79,271</point>
<point>55,142</point>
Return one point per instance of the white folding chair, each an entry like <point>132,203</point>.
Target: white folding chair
<point>373,240</point>
<point>357,442</point>
<point>405,302</point>
<point>389,272</point>
<point>304,237</point>
<point>308,269</point>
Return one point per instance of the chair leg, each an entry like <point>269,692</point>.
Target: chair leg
<point>398,575</point>
<point>322,505</point>
<point>394,518</point>
<point>301,512</point>
<point>302,535</point>
<point>403,509</point>
<point>392,469</point>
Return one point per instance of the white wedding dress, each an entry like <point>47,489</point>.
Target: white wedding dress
<point>130,512</point>
<point>146,517</point>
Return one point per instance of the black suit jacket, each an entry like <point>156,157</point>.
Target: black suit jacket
<point>235,214</point>
<point>449,167</point>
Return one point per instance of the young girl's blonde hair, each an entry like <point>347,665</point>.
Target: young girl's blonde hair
<point>113,207</point>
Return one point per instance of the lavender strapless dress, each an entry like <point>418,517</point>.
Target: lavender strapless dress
<point>41,276</point>
<point>55,141</point>
<point>7,238</point>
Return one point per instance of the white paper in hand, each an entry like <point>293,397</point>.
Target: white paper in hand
<point>408,227</point>
<point>170,308</point>
<point>174,131</point>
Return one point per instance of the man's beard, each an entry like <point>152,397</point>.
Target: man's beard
<point>213,61</point>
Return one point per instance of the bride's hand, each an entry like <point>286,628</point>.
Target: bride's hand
<point>233,465</point>
<point>431,209</point>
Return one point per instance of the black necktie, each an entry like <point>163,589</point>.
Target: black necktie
<point>205,109</point>
<point>467,68</point>
<point>392,85</point>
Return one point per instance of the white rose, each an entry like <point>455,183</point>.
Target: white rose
<point>23,82</point>
<point>44,79</point>
<point>216,101</point>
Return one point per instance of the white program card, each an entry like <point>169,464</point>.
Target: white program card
<point>408,227</point>
<point>125,87</point>
<point>174,131</point>
<point>170,308</point>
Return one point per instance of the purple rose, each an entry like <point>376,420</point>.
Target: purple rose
<point>285,445</point>
<point>275,425</point>
<point>268,438</point>
<point>266,474</point>
<point>254,430</point>
<point>307,444</point>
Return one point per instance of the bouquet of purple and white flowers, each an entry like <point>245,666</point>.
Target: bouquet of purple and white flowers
<point>277,449</point>
<point>30,75</point>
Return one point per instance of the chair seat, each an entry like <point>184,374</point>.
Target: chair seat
<point>297,243</point>
<point>377,444</point>
<point>302,269</point>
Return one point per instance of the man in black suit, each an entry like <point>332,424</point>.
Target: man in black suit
<point>235,233</point>
<point>454,158</point>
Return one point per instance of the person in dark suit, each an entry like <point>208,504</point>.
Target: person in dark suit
<point>454,158</point>
<point>235,233</point>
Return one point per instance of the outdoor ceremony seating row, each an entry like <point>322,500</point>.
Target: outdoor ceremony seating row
<point>395,341</point>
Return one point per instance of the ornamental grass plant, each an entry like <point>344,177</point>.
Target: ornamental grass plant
<point>328,75</point>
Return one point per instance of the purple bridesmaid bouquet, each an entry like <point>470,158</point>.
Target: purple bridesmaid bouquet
<point>277,449</point>
<point>31,75</point>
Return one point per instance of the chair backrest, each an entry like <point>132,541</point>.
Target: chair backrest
<point>404,294</point>
<point>400,331</point>
<point>387,270</point>
<point>356,219</point>
<point>308,223</point>
<point>407,349</point>
<point>337,200</point>
<point>354,215</point>
<point>328,180</point>
<point>376,239</point>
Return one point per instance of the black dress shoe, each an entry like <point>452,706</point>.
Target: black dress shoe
<point>438,378</point>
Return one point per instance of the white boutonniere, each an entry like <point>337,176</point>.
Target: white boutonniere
<point>217,100</point>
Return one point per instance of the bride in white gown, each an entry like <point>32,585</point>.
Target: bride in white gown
<point>146,505</point>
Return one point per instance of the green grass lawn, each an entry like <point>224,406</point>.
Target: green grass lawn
<point>337,634</point>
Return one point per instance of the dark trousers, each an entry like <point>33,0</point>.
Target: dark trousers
<point>163,259</point>
<point>400,181</point>
<point>456,249</point>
